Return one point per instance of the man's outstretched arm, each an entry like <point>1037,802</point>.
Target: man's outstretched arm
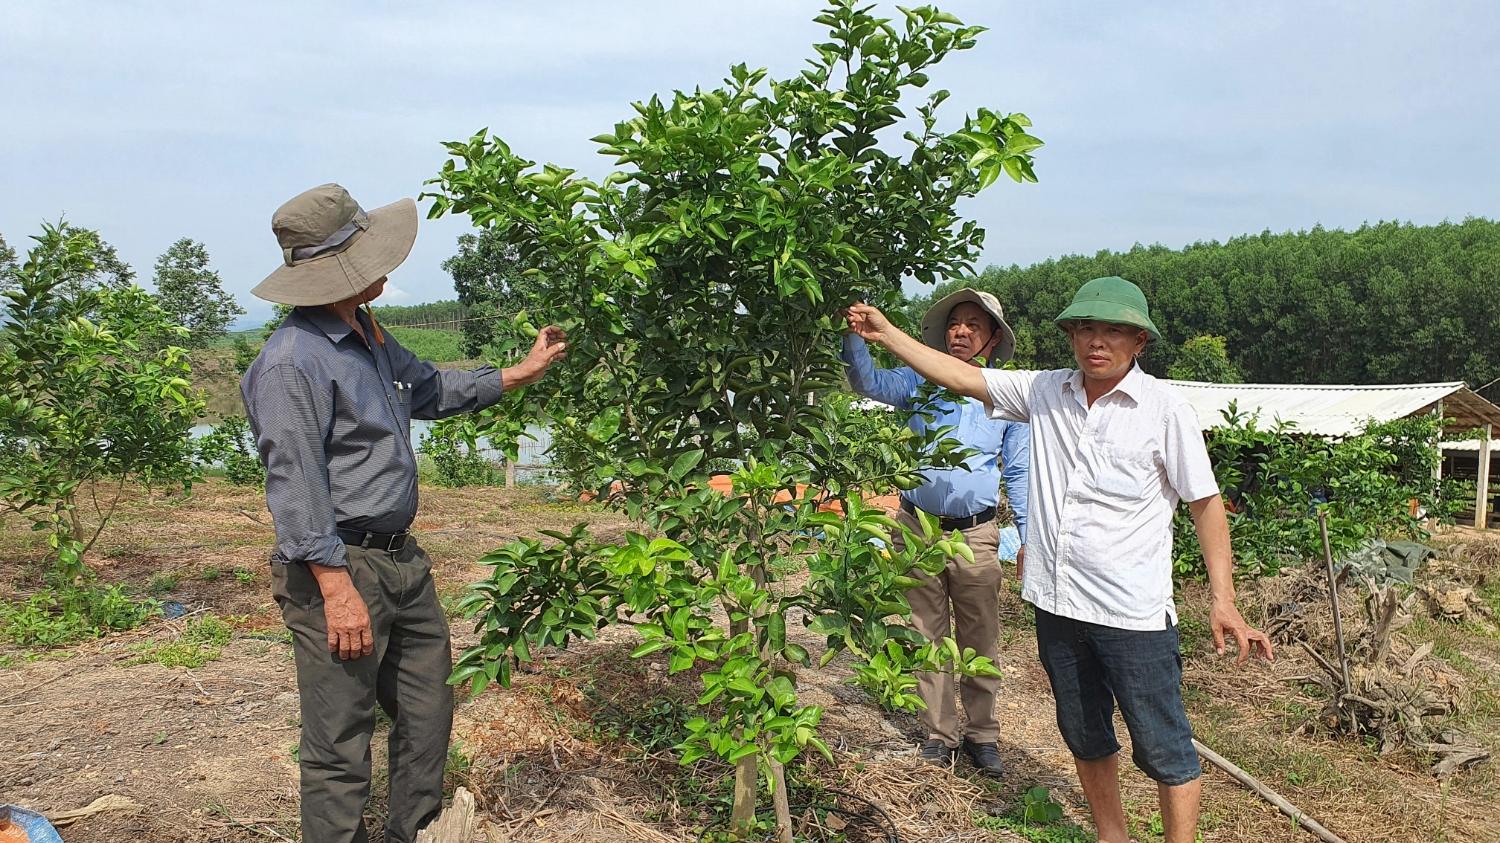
<point>1224,617</point>
<point>942,369</point>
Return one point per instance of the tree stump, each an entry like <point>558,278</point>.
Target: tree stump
<point>455,824</point>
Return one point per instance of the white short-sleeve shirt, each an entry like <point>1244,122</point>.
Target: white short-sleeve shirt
<point>1105,481</point>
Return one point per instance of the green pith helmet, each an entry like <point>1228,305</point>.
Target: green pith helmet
<point>1111,299</point>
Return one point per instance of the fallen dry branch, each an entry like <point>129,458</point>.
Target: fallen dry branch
<point>1455,751</point>
<point>111,802</point>
<point>1301,819</point>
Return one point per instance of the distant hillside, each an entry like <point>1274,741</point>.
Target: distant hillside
<point>1387,303</point>
<point>216,373</point>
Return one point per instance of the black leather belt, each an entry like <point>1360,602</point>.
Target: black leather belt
<point>389,542</point>
<point>983,516</point>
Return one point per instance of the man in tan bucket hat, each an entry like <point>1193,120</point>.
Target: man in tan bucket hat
<point>330,399</point>
<point>964,600</point>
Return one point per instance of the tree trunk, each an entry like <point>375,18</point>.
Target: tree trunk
<point>746,779</point>
<point>79,533</point>
<point>779,799</point>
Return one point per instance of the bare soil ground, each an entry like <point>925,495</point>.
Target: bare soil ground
<point>579,748</point>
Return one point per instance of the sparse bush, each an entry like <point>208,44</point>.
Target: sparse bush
<point>457,460</point>
<point>232,446</point>
<point>65,614</point>
<point>201,642</point>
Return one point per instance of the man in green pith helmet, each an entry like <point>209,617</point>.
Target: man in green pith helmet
<point>1114,450</point>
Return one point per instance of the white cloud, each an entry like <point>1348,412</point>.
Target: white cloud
<point>395,295</point>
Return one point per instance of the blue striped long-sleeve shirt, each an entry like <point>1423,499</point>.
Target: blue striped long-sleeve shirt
<point>1004,446</point>
<point>332,421</point>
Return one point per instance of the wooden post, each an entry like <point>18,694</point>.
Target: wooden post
<point>1437,470</point>
<point>1482,494</point>
<point>1333,597</point>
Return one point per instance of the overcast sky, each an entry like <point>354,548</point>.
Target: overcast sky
<point>1165,122</point>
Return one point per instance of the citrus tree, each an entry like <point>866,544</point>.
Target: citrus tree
<point>92,393</point>
<point>700,285</point>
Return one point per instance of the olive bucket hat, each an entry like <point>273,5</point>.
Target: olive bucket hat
<point>332,249</point>
<point>935,323</point>
<point>1111,299</point>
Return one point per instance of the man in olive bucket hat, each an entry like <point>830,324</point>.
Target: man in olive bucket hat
<point>330,400</point>
<point>964,600</point>
<point>1114,451</point>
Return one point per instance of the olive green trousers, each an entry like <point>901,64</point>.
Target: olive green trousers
<point>406,676</point>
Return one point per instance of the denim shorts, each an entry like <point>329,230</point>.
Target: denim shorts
<point>1093,667</point>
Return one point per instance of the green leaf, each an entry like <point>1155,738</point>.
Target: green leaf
<point>742,751</point>
<point>648,648</point>
<point>605,425</point>
<point>685,462</point>
<point>1020,143</point>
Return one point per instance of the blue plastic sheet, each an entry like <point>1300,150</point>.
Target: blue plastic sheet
<point>38,830</point>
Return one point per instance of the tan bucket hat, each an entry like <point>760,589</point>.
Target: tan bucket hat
<point>935,323</point>
<point>332,249</point>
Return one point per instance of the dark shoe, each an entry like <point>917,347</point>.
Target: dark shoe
<point>985,757</point>
<point>935,751</point>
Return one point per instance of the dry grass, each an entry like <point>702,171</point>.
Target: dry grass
<point>1274,720</point>
<point>562,756</point>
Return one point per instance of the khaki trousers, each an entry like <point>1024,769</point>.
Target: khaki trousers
<point>406,676</point>
<point>973,592</point>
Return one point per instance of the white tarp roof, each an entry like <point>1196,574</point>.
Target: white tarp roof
<point>1470,445</point>
<point>1324,410</point>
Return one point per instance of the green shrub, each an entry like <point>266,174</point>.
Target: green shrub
<point>453,446</point>
<point>244,353</point>
<point>93,392</point>
<point>1274,479</point>
<point>232,445</point>
<point>67,613</point>
<point>699,285</point>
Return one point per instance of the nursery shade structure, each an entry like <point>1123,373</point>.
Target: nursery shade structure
<point>1343,410</point>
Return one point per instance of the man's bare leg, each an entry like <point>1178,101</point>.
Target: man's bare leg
<point>1101,786</point>
<point>1179,810</point>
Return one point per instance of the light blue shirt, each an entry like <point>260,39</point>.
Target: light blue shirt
<point>1004,446</point>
